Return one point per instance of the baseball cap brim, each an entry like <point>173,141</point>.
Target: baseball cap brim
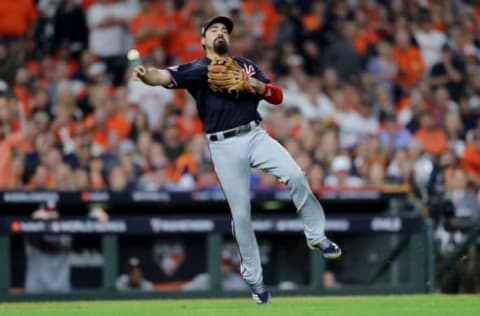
<point>218,19</point>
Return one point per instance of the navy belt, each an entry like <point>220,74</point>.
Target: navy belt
<point>239,130</point>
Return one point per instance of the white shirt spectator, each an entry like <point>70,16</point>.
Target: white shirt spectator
<point>109,40</point>
<point>353,127</point>
<point>321,108</point>
<point>430,43</point>
<point>151,100</point>
<point>122,285</point>
<point>340,174</point>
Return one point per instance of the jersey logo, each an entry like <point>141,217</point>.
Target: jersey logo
<point>249,70</point>
<point>173,68</point>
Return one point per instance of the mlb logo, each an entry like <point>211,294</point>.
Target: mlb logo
<point>169,257</point>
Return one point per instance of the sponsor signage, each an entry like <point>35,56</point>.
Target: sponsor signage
<point>158,225</point>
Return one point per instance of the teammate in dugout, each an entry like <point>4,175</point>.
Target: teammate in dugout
<point>227,91</point>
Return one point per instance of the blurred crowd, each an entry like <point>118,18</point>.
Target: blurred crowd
<point>375,92</point>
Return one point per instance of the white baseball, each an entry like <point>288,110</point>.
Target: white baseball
<point>133,54</point>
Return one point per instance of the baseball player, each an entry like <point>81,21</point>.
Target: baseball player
<point>227,91</point>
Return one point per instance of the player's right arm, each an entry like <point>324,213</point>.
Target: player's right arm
<point>153,76</point>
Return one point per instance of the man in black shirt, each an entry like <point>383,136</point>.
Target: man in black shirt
<point>449,73</point>
<point>237,143</point>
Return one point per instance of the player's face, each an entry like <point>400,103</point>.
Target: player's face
<point>217,38</point>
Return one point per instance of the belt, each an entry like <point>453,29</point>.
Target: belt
<point>239,130</point>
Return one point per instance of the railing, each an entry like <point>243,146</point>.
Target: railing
<point>406,240</point>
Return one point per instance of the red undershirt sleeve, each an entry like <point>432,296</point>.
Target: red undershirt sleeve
<point>273,94</point>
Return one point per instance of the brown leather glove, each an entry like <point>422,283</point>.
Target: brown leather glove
<point>225,75</point>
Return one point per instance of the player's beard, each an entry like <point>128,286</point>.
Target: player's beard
<point>220,46</point>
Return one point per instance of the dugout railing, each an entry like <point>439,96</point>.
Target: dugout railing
<point>374,222</point>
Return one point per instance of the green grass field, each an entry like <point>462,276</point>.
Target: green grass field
<point>421,305</point>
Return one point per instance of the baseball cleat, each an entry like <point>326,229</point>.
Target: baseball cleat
<point>261,298</point>
<point>331,251</point>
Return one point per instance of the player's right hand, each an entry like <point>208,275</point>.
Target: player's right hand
<point>139,73</point>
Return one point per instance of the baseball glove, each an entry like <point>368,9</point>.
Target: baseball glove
<point>224,74</point>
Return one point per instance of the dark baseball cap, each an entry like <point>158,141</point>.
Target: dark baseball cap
<point>217,19</point>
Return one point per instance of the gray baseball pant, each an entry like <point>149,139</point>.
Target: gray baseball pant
<point>232,158</point>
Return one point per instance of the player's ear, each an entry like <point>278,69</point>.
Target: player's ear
<point>203,42</point>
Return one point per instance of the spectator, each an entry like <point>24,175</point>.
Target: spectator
<point>455,132</point>
<point>155,103</point>
<point>9,64</point>
<point>40,179</point>
<point>189,124</point>
<point>48,265</point>
<point>409,60</point>
<point>106,21</point>
<point>171,142</point>
<point>130,168</point>
<point>261,19</point>
<point>383,68</point>
<point>17,19</point>
<point>454,224</point>
<point>316,176</point>
<point>340,175</point>
<point>133,279</point>
<point>429,40</point>
<point>186,47</point>
<point>148,28</point>
<point>80,180</point>
<point>449,72</point>
<point>353,124</point>
<point>376,174</point>
<point>341,55</point>
<point>187,165</point>
<point>231,279</point>
<point>154,180</point>
<point>117,179</point>
<point>70,26</point>
<point>96,174</point>
<point>394,136</point>
<point>400,167</point>
<point>470,160</point>
<point>138,125</point>
<point>8,142</point>
<point>434,140</point>
<point>313,103</point>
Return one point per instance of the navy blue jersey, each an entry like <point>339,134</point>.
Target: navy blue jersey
<point>218,111</point>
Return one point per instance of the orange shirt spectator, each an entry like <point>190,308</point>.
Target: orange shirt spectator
<point>262,19</point>
<point>176,22</point>
<point>470,161</point>
<point>410,64</point>
<point>366,34</point>
<point>409,60</point>
<point>187,44</point>
<point>191,47</point>
<point>7,145</point>
<point>313,20</point>
<point>25,98</point>
<point>185,163</point>
<point>312,23</point>
<point>434,140</point>
<point>116,122</point>
<point>188,128</point>
<point>149,29</point>
<point>17,17</point>
<point>364,38</point>
<point>189,124</point>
